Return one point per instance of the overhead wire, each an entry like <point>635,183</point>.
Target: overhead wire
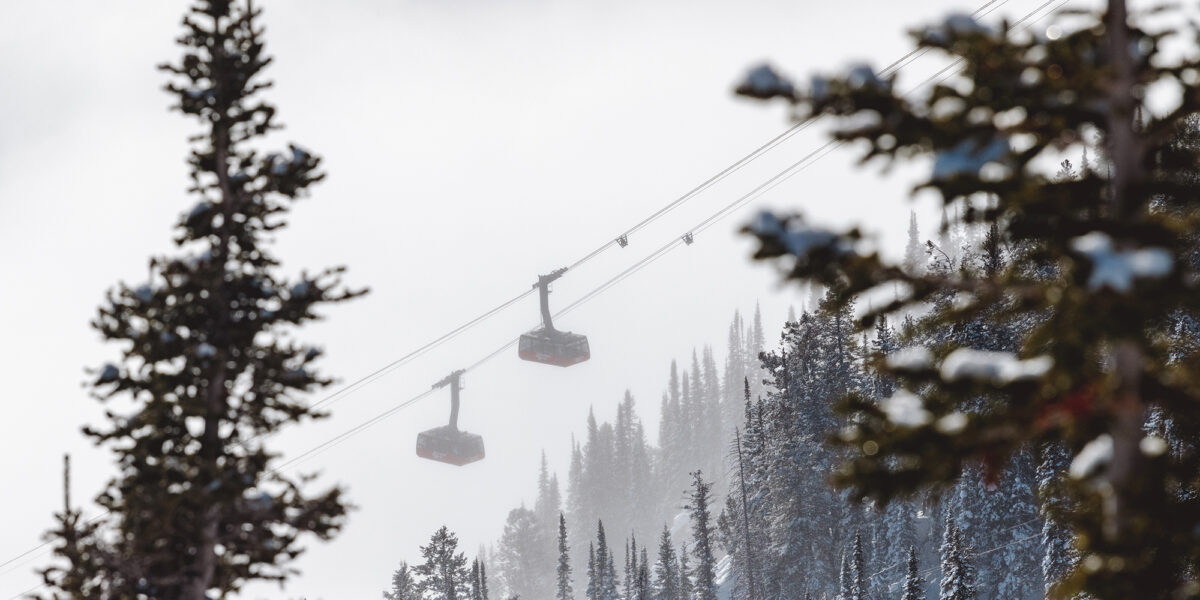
<point>774,181</point>
<point>27,592</point>
<point>690,194</point>
<point>654,256</point>
<point>833,145</point>
<point>724,212</point>
<point>799,126</point>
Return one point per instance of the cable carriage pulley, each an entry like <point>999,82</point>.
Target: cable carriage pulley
<point>546,344</point>
<point>447,443</point>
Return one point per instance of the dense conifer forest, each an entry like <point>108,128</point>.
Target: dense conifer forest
<point>754,425</point>
<point>1005,408</point>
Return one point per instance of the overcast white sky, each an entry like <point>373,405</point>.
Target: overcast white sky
<point>470,146</point>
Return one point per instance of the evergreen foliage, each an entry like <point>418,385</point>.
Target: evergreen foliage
<point>704,577</point>
<point>641,591</point>
<point>958,574</point>
<point>858,587</point>
<point>563,589</point>
<point>631,568</point>
<point>593,581</point>
<point>483,581</point>
<point>686,583</point>
<point>209,367</point>
<point>914,585</point>
<point>845,580</point>
<point>1058,552</point>
<point>443,575</point>
<point>666,574</point>
<point>604,570</point>
<point>914,251</point>
<point>518,555</point>
<point>404,585</point>
<point>1104,267</point>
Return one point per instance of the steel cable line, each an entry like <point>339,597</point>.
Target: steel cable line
<point>791,171</point>
<point>745,160</point>
<point>28,591</point>
<point>895,66</point>
<point>384,370</point>
<point>335,396</point>
<point>341,437</point>
<point>742,162</point>
<point>724,212</point>
<point>832,145</point>
<point>917,53</point>
<point>645,261</point>
<point>774,181</point>
<point>720,215</point>
<point>416,353</point>
<point>708,222</point>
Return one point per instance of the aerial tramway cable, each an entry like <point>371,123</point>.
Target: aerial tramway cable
<point>724,212</point>
<point>622,240</point>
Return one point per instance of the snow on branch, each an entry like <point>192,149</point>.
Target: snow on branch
<point>763,82</point>
<point>1116,269</point>
<point>797,238</point>
<point>955,25</point>
<point>968,157</point>
<point>997,368</point>
<point>905,409</point>
<point>863,76</point>
<point>913,358</point>
<point>1094,455</point>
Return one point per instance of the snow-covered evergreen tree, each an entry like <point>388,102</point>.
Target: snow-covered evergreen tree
<point>593,578</point>
<point>914,251</point>
<point>914,585</point>
<point>605,572</point>
<point>899,536</point>
<point>563,589</point>
<point>519,555</point>
<point>686,582</point>
<point>1058,551</point>
<point>479,585</point>
<point>642,589</point>
<point>483,580</point>
<point>1082,374</point>
<point>858,584</point>
<point>210,367</point>
<point>631,567</point>
<point>548,505</point>
<point>735,370</point>
<point>958,573</point>
<point>404,585</point>
<point>704,576</point>
<point>845,579</point>
<point>443,575</point>
<point>665,585</point>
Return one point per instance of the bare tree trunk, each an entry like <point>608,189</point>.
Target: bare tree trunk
<point>1126,148</point>
<point>750,563</point>
<point>1126,151</point>
<point>201,576</point>
<point>1129,415</point>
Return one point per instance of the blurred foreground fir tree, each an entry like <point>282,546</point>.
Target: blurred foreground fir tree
<point>1103,279</point>
<point>208,366</point>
